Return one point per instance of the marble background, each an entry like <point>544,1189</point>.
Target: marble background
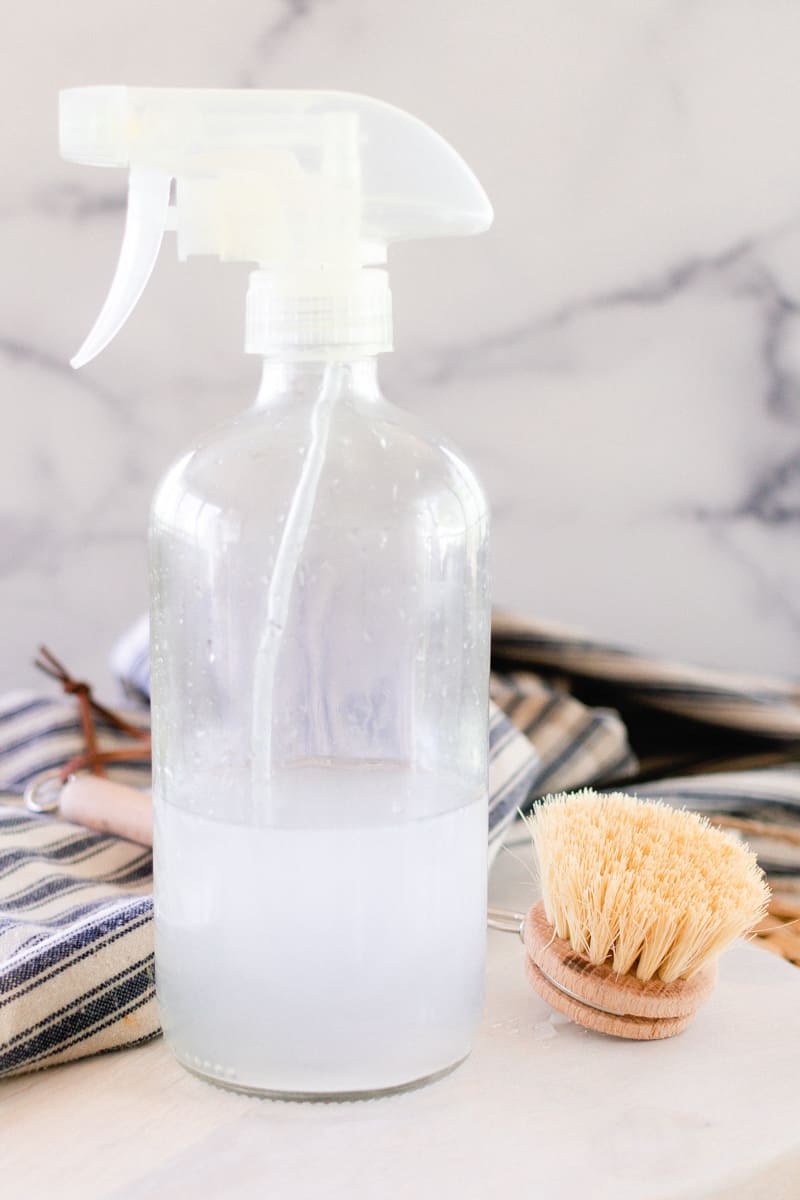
<point>620,356</point>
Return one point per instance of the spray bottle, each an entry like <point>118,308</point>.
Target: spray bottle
<point>319,606</point>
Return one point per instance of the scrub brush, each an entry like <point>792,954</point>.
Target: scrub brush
<point>638,902</point>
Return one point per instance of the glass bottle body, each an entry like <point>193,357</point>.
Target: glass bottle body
<point>320,694</point>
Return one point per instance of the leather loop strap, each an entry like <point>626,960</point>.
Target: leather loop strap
<point>93,758</point>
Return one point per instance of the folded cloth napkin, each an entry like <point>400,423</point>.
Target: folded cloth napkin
<point>755,705</point>
<point>76,942</point>
<point>680,719</point>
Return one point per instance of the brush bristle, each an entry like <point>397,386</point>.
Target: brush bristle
<point>652,890</point>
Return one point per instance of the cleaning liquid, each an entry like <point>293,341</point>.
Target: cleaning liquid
<point>343,953</point>
<point>320,608</point>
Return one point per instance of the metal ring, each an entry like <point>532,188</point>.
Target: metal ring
<point>43,783</point>
<point>565,991</point>
<point>505,920</point>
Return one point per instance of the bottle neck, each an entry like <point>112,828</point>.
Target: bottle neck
<point>312,315</point>
<point>304,380</point>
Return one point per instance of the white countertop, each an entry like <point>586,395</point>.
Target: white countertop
<point>541,1109</point>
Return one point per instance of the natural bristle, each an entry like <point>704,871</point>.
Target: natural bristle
<point>652,890</point>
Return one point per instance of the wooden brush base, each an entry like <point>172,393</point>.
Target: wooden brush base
<point>593,996</point>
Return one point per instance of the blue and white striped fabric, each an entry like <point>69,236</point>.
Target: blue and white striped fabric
<point>76,943</point>
<point>40,733</point>
<point>76,907</point>
<point>758,706</point>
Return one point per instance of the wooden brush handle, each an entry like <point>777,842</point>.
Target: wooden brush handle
<point>108,808</point>
<point>598,999</point>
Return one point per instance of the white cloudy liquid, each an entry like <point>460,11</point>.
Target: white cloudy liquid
<point>341,950</point>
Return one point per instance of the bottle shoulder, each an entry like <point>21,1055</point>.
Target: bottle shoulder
<point>377,456</point>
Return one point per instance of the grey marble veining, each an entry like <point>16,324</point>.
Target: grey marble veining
<point>619,357</point>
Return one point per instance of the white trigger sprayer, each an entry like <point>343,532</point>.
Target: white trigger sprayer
<point>311,186</point>
<point>351,705</point>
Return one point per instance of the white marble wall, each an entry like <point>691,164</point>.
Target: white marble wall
<point>620,356</point>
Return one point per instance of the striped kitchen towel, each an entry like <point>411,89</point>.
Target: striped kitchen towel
<point>76,936</point>
<point>680,719</point>
<point>759,706</point>
<point>76,942</point>
<point>40,733</point>
<point>577,746</point>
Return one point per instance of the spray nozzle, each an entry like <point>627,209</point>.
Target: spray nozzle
<point>148,201</point>
<point>311,187</point>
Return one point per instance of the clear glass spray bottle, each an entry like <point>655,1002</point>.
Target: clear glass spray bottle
<point>319,616</point>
